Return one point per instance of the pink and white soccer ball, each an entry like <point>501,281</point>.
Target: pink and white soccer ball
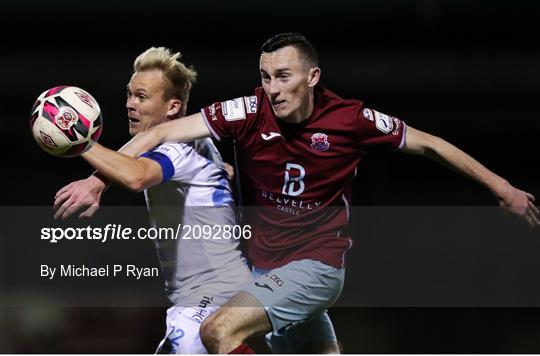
<point>66,121</point>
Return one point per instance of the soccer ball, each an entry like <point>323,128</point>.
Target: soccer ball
<point>66,121</point>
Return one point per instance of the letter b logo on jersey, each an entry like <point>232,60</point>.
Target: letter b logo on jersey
<point>294,180</point>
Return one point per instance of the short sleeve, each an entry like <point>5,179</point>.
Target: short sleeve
<point>377,130</point>
<point>227,119</point>
<point>179,162</point>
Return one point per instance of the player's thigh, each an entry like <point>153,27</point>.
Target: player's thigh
<point>241,316</point>
<point>296,292</point>
<point>182,334</point>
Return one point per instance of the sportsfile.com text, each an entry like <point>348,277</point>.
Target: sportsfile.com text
<point>118,232</point>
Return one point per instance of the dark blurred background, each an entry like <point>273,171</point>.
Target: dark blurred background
<point>468,71</point>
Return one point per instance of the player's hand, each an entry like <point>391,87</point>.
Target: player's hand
<point>520,204</point>
<point>81,194</point>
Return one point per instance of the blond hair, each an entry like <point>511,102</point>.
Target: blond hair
<point>177,75</point>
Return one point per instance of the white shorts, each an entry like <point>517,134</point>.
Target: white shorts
<point>183,324</point>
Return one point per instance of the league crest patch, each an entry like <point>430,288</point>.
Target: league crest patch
<point>319,142</point>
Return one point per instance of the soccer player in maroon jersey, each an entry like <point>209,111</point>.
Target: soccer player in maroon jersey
<point>298,147</point>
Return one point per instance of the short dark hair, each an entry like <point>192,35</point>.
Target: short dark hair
<point>298,41</point>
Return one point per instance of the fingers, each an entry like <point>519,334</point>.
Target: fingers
<point>528,212</point>
<point>88,213</point>
<point>533,215</point>
<point>62,208</point>
<point>60,198</point>
<point>63,190</point>
<point>68,207</point>
<point>532,219</point>
<point>70,211</point>
<point>69,199</point>
<point>533,208</point>
<point>522,205</point>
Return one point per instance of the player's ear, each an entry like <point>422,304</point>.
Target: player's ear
<point>175,105</point>
<point>314,76</point>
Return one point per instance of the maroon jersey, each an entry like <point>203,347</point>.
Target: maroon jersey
<point>297,177</point>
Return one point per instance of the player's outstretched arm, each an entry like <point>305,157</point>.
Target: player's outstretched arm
<point>511,199</point>
<point>84,194</point>
<point>133,173</point>
<point>188,128</point>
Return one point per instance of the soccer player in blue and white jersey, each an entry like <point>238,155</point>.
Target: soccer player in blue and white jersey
<point>183,183</point>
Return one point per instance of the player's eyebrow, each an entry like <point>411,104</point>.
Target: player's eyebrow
<point>282,70</point>
<point>278,71</point>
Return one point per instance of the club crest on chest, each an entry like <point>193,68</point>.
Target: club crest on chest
<point>319,142</point>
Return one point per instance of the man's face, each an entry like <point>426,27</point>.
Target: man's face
<point>145,103</point>
<point>287,81</point>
